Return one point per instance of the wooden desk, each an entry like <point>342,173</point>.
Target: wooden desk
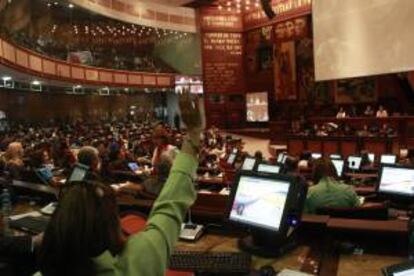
<point>361,176</point>
<point>296,260</point>
<point>365,190</point>
<point>359,225</point>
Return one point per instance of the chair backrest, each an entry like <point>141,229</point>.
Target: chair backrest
<point>133,222</point>
<point>377,212</point>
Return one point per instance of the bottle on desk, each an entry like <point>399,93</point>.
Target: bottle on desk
<point>6,208</point>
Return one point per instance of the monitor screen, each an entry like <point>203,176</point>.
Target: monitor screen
<point>388,159</point>
<point>231,159</point>
<point>248,164</point>
<point>339,166</point>
<point>260,202</point>
<point>133,166</point>
<point>257,107</point>
<point>316,155</point>
<point>335,156</point>
<point>281,157</point>
<point>397,180</point>
<point>354,162</point>
<point>45,174</point>
<point>268,168</point>
<point>78,173</point>
<point>371,157</point>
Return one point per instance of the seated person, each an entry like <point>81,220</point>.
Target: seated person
<point>84,236</point>
<point>385,130</point>
<point>369,111</point>
<point>258,155</point>
<point>364,132</point>
<point>41,159</point>
<point>155,183</point>
<point>328,192</point>
<point>382,113</point>
<point>117,159</point>
<point>13,159</point>
<point>161,140</point>
<point>341,113</point>
<point>89,156</point>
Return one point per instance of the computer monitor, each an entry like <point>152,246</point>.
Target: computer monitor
<point>265,168</point>
<point>371,157</point>
<point>396,180</point>
<point>268,205</point>
<point>133,166</point>
<point>249,164</point>
<point>44,174</point>
<point>354,162</point>
<point>260,202</point>
<point>388,159</point>
<point>335,156</point>
<point>316,155</point>
<point>281,157</point>
<point>78,173</point>
<point>403,269</point>
<point>339,166</point>
<point>231,159</point>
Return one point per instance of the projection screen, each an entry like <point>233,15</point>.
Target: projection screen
<point>355,38</point>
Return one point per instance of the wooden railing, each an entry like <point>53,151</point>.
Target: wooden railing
<point>29,62</point>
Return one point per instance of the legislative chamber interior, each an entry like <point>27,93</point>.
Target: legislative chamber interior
<point>207,137</point>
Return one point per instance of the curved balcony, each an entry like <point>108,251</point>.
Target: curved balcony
<point>27,61</point>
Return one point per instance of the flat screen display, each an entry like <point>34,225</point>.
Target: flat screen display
<point>396,180</point>
<point>248,164</point>
<point>388,159</point>
<point>316,155</point>
<point>260,202</point>
<point>257,107</point>
<point>339,166</point>
<point>281,158</point>
<point>133,166</point>
<point>78,173</point>
<point>371,157</point>
<point>354,162</point>
<point>354,38</point>
<point>231,159</point>
<point>335,156</point>
<point>264,168</point>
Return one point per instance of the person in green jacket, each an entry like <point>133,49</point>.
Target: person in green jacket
<point>328,192</point>
<point>84,235</point>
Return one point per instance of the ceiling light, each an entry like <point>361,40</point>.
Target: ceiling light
<point>71,6</point>
<point>35,82</point>
<point>6,78</point>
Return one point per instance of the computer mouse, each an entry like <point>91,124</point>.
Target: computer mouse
<point>267,270</point>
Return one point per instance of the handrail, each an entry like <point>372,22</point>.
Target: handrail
<point>30,62</point>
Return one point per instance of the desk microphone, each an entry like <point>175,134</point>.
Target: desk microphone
<point>191,231</point>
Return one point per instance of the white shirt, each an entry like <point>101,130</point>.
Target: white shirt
<point>382,114</point>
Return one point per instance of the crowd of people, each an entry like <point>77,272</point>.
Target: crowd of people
<point>121,58</point>
<point>93,243</point>
<point>344,128</point>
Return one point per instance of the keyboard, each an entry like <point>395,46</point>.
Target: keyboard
<point>31,224</point>
<point>211,262</point>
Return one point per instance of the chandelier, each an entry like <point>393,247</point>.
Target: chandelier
<point>238,5</point>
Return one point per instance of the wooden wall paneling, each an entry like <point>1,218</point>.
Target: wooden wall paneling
<point>314,145</point>
<point>330,147</point>
<point>378,147</point>
<point>349,147</point>
<point>295,146</point>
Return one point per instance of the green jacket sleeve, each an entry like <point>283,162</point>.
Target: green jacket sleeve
<point>147,253</point>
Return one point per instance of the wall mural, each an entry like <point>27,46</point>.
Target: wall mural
<point>285,71</point>
<point>359,90</point>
